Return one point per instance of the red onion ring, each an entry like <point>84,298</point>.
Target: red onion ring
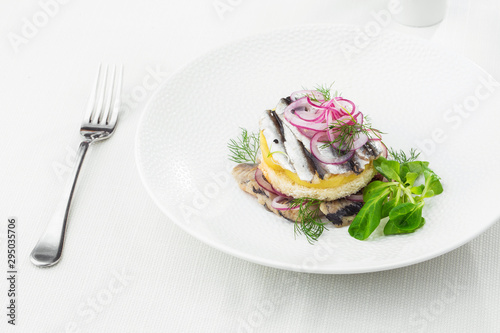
<point>311,117</point>
<point>259,178</point>
<point>297,122</point>
<point>322,137</point>
<point>316,105</point>
<point>319,122</point>
<point>384,149</point>
<point>340,99</point>
<point>337,113</point>
<point>344,120</point>
<point>307,133</point>
<point>315,93</point>
<point>376,134</point>
<point>359,141</point>
<point>359,118</point>
<point>332,132</point>
<point>276,204</point>
<point>329,122</point>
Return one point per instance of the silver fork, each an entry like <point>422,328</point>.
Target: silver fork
<point>98,124</point>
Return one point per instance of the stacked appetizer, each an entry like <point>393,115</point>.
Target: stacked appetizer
<point>312,157</point>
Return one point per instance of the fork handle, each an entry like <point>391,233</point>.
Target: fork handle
<point>48,250</point>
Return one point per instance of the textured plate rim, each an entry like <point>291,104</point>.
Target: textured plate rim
<point>273,263</point>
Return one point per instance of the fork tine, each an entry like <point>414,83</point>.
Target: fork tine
<point>108,96</point>
<point>117,90</point>
<point>92,99</point>
<point>100,95</point>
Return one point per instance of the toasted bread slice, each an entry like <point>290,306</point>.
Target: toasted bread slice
<point>287,186</point>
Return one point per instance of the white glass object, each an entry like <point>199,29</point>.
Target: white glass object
<point>421,13</point>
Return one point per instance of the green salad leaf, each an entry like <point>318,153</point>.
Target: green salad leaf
<point>400,198</point>
<point>368,218</point>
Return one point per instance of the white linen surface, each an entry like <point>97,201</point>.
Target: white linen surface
<point>127,267</point>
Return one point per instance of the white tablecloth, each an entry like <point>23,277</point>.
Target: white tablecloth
<point>127,267</point>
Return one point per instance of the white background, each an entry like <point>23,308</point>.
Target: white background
<point>126,267</point>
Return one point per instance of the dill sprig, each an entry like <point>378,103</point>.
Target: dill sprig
<point>244,149</point>
<point>271,155</point>
<point>401,156</point>
<point>309,220</point>
<point>347,132</point>
<point>326,91</point>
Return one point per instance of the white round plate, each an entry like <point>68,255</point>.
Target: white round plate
<point>420,95</point>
